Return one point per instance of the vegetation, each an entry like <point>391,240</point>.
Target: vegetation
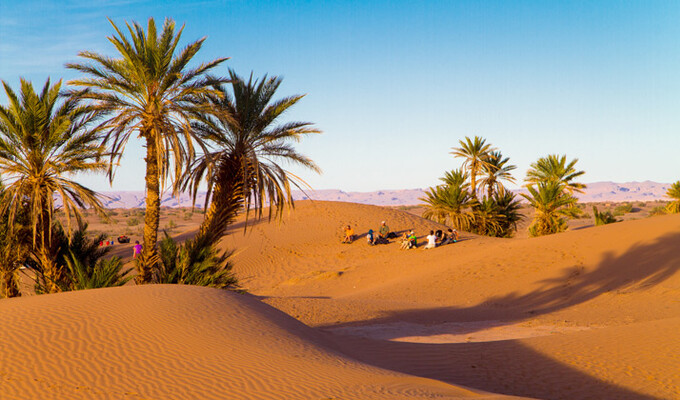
<point>245,172</point>
<point>149,91</point>
<point>603,218</point>
<point>622,209</point>
<point>674,193</point>
<point>194,263</point>
<point>475,153</point>
<point>551,186</point>
<point>43,142</point>
<point>658,210</point>
<point>549,200</point>
<point>456,203</point>
<point>554,168</point>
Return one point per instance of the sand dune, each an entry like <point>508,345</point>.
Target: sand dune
<point>587,314</point>
<point>180,342</point>
<point>582,314</point>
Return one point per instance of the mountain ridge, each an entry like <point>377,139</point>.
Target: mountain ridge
<point>595,192</point>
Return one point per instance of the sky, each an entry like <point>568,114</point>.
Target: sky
<point>394,85</point>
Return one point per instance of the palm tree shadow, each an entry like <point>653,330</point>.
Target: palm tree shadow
<point>484,365</point>
<point>641,267</point>
<point>506,367</point>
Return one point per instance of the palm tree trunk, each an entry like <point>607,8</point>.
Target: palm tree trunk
<point>50,270</point>
<point>148,260</point>
<point>227,198</point>
<point>9,283</point>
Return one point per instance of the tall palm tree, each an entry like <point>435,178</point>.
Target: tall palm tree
<point>674,193</point>
<point>555,168</point>
<point>149,90</point>
<point>496,170</point>
<point>475,152</point>
<point>43,142</point>
<point>548,199</point>
<point>245,171</point>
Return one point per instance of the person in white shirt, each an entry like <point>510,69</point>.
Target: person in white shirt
<point>431,241</point>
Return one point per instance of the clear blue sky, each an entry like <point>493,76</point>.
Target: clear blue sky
<point>395,84</point>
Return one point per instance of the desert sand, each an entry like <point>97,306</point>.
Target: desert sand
<point>592,313</point>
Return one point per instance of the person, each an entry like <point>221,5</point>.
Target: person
<point>438,233</point>
<point>404,241</point>
<point>136,249</point>
<point>412,240</point>
<point>349,235</point>
<point>370,238</point>
<point>454,234</point>
<point>431,241</point>
<point>450,236</point>
<point>383,233</point>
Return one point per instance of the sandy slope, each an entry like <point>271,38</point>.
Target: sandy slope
<point>587,314</point>
<point>590,313</point>
<point>180,342</point>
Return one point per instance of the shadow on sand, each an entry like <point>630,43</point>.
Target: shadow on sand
<point>481,365</point>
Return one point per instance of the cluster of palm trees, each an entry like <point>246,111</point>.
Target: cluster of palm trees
<point>487,209</point>
<point>474,198</point>
<point>197,127</point>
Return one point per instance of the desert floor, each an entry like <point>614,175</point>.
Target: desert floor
<point>591,313</point>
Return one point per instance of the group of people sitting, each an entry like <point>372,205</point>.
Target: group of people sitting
<point>383,236</point>
<point>435,238</point>
<point>409,240</point>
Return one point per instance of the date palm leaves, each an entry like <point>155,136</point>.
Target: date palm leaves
<point>43,141</point>
<point>245,171</point>
<point>148,89</point>
<point>674,193</point>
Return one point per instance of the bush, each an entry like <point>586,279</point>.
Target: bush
<point>622,209</point>
<point>194,263</point>
<point>658,210</point>
<point>604,217</point>
<point>133,221</point>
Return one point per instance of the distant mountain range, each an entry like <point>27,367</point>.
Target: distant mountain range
<point>596,192</point>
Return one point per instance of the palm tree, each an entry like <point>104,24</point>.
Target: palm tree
<point>508,207</point>
<point>449,204</point>
<point>674,193</point>
<point>555,168</point>
<point>244,172</point>
<point>150,91</point>
<point>548,198</point>
<point>42,142</point>
<point>456,177</point>
<point>15,242</point>
<point>496,170</point>
<point>475,152</point>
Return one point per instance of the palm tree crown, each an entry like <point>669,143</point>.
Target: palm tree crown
<point>149,90</point>
<point>42,142</point>
<point>497,169</point>
<point>556,169</point>
<point>245,172</point>
<point>674,193</point>
<point>475,153</point>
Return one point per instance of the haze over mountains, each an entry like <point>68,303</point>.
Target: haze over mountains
<point>596,192</point>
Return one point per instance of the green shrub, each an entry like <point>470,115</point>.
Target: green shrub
<point>622,209</point>
<point>604,217</point>
<point>194,263</point>
<point>658,210</point>
<point>132,221</point>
